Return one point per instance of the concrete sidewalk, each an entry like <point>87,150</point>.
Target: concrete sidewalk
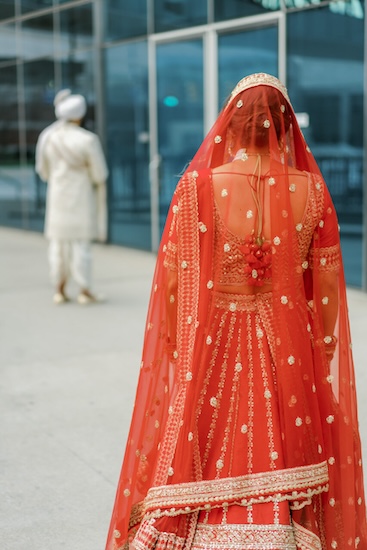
<point>67,385</point>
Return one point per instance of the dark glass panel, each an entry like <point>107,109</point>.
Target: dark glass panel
<point>180,111</point>
<point>243,53</point>
<point>7,9</point>
<point>8,51</point>
<point>125,18</point>
<point>77,72</point>
<point>230,9</point>
<point>37,38</point>
<point>325,80</point>
<point>179,14</point>
<point>76,27</point>
<point>10,172</point>
<point>128,144</point>
<point>27,6</point>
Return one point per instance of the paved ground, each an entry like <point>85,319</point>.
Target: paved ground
<point>67,384</point>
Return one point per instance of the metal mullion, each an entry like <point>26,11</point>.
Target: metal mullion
<point>210,79</point>
<point>364,181</point>
<point>282,47</point>
<point>153,146</point>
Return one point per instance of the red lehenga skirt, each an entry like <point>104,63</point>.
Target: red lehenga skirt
<point>239,436</point>
<point>238,424</point>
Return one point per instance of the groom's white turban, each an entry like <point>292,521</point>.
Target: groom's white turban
<point>69,106</point>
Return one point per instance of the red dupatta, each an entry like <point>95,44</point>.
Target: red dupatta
<point>161,475</point>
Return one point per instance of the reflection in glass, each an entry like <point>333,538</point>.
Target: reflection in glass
<point>128,144</point>
<point>229,9</point>
<point>10,181</point>
<point>37,37</point>
<point>243,53</point>
<point>77,72</point>
<point>7,9</point>
<point>180,111</point>
<point>33,5</point>
<point>325,80</point>
<point>125,18</point>
<point>76,26</point>
<point>179,14</point>
<point>8,50</point>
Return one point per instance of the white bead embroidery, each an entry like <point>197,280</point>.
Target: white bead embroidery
<point>175,209</point>
<point>284,300</point>
<point>299,421</point>
<point>276,241</point>
<point>292,187</point>
<point>266,123</point>
<point>249,214</point>
<point>330,419</point>
<point>271,181</point>
<point>217,139</point>
<point>244,428</point>
<point>239,103</point>
<point>208,340</point>
<point>291,360</point>
<point>226,247</point>
<point>203,228</point>
<point>213,401</point>
<point>189,376</point>
<point>224,193</point>
<point>210,284</point>
<point>126,493</point>
<point>325,300</point>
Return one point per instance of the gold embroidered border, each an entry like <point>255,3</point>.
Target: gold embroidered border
<point>240,302</point>
<point>328,258</point>
<point>305,539</point>
<point>243,537</point>
<point>136,515</point>
<point>149,537</point>
<point>292,484</point>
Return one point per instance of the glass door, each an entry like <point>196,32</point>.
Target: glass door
<point>180,111</point>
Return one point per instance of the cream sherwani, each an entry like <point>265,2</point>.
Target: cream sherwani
<point>71,160</point>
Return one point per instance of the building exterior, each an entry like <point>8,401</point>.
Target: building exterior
<point>155,74</point>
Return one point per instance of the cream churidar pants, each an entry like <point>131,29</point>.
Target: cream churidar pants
<point>70,258</point>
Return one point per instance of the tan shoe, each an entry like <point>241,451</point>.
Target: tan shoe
<point>60,298</point>
<point>86,299</point>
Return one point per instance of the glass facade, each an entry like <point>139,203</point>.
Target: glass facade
<point>155,73</point>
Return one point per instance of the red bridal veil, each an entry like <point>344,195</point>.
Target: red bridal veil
<point>249,280</point>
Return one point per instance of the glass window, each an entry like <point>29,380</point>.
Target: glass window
<point>10,182</point>
<point>125,18</point>
<point>37,37</point>
<point>33,5</point>
<point>180,111</point>
<point>243,53</point>
<point>178,14</point>
<point>9,138</point>
<point>126,78</point>
<point>77,73</point>
<point>8,49</point>
<point>76,27</point>
<point>230,9</point>
<point>7,9</point>
<point>325,80</point>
